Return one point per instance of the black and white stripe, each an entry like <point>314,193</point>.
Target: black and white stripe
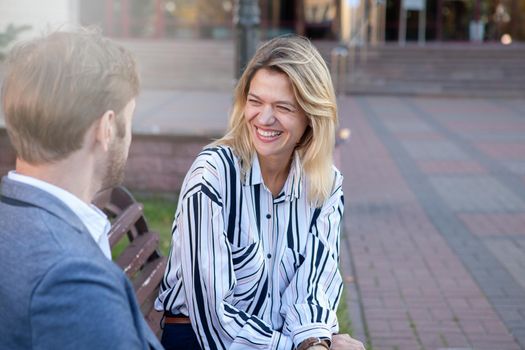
<point>252,271</point>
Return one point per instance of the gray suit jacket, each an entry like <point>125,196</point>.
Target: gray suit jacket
<point>57,289</point>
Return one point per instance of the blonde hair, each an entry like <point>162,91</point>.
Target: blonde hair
<point>57,86</point>
<point>312,86</point>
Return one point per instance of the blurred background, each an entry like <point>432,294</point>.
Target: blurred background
<point>396,46</point>
<point>431,97</point>
<point>445,20</point>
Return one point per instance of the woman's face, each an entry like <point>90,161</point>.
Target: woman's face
<point>275,120</point>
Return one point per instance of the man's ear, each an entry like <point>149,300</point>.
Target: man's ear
<point>105,129</point>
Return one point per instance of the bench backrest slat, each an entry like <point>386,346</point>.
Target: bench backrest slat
<point>140,259</point>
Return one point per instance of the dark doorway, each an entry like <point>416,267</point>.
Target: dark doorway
<point>456,17</point>
<point>287,15</point>
<point>319,19</point>
<point>412,25</point>
<point>460,15</point>
<point>277,17</point>
<point>392,20</point>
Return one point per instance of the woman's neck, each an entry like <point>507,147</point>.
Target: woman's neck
<point>274,174</point>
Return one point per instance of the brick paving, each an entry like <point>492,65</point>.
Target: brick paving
<point>435,226</point>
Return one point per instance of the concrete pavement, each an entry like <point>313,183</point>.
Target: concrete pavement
<point>182,112</point>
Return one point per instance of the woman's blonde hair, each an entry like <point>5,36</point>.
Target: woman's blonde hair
<point>312,86</point>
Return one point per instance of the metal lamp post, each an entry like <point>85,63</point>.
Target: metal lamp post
<point>246,20</point>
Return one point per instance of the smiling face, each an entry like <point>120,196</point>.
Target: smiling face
<point>275,120</point>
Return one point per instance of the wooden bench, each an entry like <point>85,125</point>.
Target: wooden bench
<point>140,259</point>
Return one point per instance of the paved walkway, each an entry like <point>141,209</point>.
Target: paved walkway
<point>182,112</point>
<point>435,221</point>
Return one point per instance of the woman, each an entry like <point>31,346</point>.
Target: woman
<point>255,248</point>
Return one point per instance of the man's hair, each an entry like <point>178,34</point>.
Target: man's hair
<point>57,86</point>
<point>312,86</point>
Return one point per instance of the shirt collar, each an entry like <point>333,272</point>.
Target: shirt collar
<point>93,218</point>
<point>293,184</point>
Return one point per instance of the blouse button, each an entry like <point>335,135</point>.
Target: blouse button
<point>268,216</point>
<point>269,256</point>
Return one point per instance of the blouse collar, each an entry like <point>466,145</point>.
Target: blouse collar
<point>292,186</point>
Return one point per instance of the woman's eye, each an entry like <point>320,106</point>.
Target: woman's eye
<point>254,102</point>
<point>284,109</point>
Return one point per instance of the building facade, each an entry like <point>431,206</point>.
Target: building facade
<point>372,21</point>
<point>39,15</point>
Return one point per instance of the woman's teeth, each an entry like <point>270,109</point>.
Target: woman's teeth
<point>264,133</point>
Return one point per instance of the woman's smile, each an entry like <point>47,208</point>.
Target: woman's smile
<point>267,135</point>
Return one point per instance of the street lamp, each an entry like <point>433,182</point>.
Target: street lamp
<point>246,19</point>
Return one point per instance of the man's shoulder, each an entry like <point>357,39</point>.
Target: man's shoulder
<point>34,240</point>
<point>26,203</point>
<point>81,272</point>
<point>44,261</point>
<point>82,291</point>
<point>34,228</point>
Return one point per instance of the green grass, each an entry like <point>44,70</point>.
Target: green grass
<point>345,323</point>
<point>159,213</point>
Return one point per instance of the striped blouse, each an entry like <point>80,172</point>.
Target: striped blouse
<point>250,270</point>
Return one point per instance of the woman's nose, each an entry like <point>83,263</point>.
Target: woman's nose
<point>266,116</point>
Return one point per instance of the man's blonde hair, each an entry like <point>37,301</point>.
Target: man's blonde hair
<point>312,86</point>
<point>57,86</point>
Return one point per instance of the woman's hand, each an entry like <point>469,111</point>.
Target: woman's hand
<point>345,342</point>
<point>316,347</point>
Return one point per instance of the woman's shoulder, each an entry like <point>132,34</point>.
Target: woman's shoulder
<point>212,167</point>
<point>338,177</point>
<point>337,182</point>
<point>222,158</point>
<point>217,151</point>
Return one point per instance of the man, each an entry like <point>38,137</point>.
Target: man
<point>68,101</point>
